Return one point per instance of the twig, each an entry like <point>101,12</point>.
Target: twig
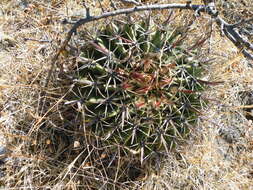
<point>226,28</point>
<point>90,18</point>
<point>229,31</point>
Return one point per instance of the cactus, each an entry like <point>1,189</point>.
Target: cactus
<point>138,87</point>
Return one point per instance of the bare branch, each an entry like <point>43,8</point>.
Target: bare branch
<point>231,33</point>
<point>90,18</point>
<point>209,8</point>
<point>133,10</point>
<point>247,54</point>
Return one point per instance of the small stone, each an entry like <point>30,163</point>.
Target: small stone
<point>76,144</point>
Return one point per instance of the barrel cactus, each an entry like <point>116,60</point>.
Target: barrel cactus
<point>137,86</point>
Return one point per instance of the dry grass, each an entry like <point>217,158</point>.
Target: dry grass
<point>47,153</point>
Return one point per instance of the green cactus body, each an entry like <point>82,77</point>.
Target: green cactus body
<point>139,89</point>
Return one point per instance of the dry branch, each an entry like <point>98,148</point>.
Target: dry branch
<point>231,33</point>
<point>90,18</point>
<point>227,29</point>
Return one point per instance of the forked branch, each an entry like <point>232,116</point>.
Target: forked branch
<point>227,29</point>
<point>90,18</point>
<point>231,33</point>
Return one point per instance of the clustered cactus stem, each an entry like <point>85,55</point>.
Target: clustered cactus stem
<point>138,86</point>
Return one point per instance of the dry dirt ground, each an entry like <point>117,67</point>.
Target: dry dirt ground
<point>217,155</point>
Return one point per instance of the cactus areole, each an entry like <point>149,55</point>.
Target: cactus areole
<point>138,87</point>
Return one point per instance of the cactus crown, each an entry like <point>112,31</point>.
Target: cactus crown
<point>138,87</point>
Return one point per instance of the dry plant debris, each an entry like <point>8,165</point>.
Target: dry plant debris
<point>218,155</point>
